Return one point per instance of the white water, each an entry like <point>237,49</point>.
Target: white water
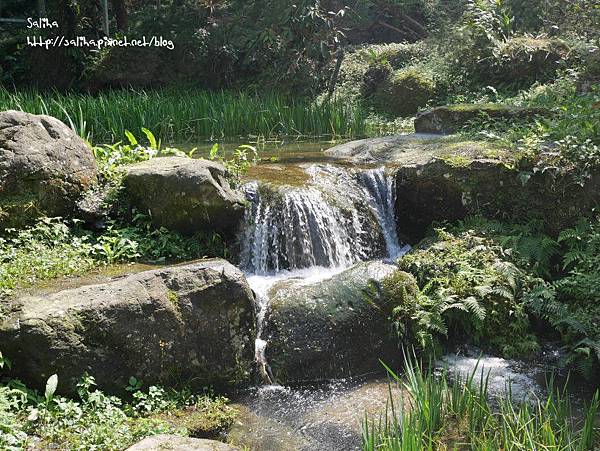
<point>381,188</point>
<point>301,230</point>
<point>503,376</point>
<point>314,232</point>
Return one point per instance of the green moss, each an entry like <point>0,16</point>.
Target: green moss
<point>404,92</point>
<point>456,161</point>
<point>209,418</point>
<point>475,107</point>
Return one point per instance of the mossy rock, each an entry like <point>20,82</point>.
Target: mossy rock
<point>405,91</point>
<point>44,168</point>
<point>451,118</point>
<point>526,59</point>
<point>191,322</point>
<point>184,194</point>
<point>333,328</point>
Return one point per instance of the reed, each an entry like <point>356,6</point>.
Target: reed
<point>440,413</point>
<point>179,116</point>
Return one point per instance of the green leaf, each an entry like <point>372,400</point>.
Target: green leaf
<point>51,385</point>
<point>131,138</point>
<point>151,138</point>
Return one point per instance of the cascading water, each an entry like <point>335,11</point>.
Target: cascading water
<point>315,231</point>
<point>382,190</point>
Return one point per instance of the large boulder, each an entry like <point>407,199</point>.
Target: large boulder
<point>184,194</point>
<point>338,327</point>
<point>192,322</point>
<point>446,179</point>
<point>164,442</point>
<point>44,168</point>
<point>448,189</point>
<point>451,118</point>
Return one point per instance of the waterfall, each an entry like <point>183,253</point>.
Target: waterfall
<point>300,228</point>
<point>381,188</point>
<point>314,231</point>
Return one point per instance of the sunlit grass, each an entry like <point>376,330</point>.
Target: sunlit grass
<point>441,413</point>
<point>187,115</point>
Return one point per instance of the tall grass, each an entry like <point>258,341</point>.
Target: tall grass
<point>458,414</point>
<point>177,116</point>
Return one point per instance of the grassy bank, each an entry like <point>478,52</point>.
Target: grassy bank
<point>181,115</point>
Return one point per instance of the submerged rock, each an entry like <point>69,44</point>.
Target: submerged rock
<point>177,323</point>
<point>450,119</point>
<point>164,442</point>
<point>335,328</point>
<point>44,168</point>
<point>184,194</point>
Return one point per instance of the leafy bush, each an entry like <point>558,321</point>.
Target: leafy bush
<point>470,291</point>
<point>571,303</point>
<point>361,66</point>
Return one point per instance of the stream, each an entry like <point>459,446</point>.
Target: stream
<point>308,220</point>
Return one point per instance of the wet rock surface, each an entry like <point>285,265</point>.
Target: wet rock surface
<point>164,325</point>
<point>335,328</point>
<point>44,168</point>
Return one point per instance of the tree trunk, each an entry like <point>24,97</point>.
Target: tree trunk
<point>120,14</point>
<point>336,72</point>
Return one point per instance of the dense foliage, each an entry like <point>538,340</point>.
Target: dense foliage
<point>467,290</point>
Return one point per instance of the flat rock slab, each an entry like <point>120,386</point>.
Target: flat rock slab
<point>410,149</point>
<point>164,442</point>
<point>189,322</point>
<point>44,168</point>
<point>451,118</point>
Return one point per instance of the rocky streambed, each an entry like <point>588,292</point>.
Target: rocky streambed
<point>302,302</point>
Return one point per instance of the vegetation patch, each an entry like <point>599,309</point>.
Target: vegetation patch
<point>468,291</point>
<point>96,420</point>
<point>458,413</point>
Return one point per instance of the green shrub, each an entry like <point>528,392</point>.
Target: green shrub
<point>524,59</point>
<point>404,93</point>
<point>363,66</point>
<point>467,281</point>
<point>571,303</point>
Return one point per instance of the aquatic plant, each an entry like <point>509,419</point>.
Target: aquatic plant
<point>177,116</point>
<point>439,412</point>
